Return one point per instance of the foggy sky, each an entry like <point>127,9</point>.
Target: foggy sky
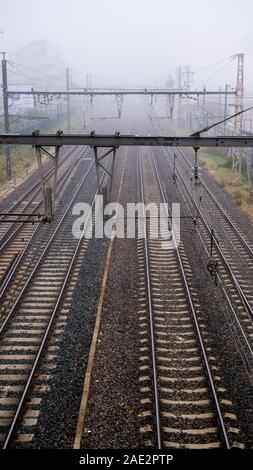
<point>136,42</point>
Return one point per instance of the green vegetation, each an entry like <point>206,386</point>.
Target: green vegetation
<point>238,196</point>
<point>219,165</point>
<point>22,158</point>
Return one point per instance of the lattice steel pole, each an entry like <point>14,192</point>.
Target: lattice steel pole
<point>68,98</point>
<point>6,116</point>
<point>237,154</point>
<point>179,97</point>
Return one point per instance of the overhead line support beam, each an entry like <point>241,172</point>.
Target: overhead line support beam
<point>118,92</point>
<point>105,140</point>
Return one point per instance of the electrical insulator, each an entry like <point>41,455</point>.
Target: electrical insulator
<point>196,174</point>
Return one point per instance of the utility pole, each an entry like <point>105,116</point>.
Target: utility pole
<point>237,153</point>
<point>68,98</point>
<point>34,100</point>
<point>179,97</point>
<point>219,106</point>
<point>204,105</point>
<point>6,115</point>
<point>251,173</point>
<point>226,151</point>
<point>187,77</point>
<point>225,107</point>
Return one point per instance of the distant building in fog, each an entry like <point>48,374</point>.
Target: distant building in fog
<point>44,58</point>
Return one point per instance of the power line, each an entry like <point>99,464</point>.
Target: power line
<point>15,64</point>
<point>216,63</point>
<point>214,75</point>
<point>21,75</point>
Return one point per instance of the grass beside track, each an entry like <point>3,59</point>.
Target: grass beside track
<point>22,158</point>
<point>219,166</point>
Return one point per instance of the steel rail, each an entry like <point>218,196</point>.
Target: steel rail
<point>150,310</point>
<point>21,254</point>
<point>24,196</point>
<point>237,285</point>
<point>16,204</point>
<point>62,177</point>
<point>238,288</point>
<point>224,291</point>
<point>207,252</point>
<point>43,253</point>
<point>21,222</point>
<point>169,158</point>
<point>7,278</point>
<point>236,231</point>
<point>52,317</point>
<point>221,423</point>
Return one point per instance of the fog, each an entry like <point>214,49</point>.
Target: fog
<point>136,42</point>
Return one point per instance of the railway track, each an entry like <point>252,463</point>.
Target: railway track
<point>236,290</point>
<point>231,249</point>
<point>17,236</point>
<point>36,317</point>
<point>180,381</point>
<point>237,250</point>
<point>14,235</point>
<point>184,401</point>
<point>16,200</point>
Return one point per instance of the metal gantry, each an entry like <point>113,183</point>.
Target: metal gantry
<point>117,140</point>
<point>120,92</point>
<point>110,143</point>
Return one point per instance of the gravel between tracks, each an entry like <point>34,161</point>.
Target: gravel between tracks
<point>114,402</point>
<point>113,407</point>
<point>57,422</point>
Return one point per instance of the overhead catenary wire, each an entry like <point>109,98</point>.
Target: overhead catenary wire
<point>230,59</point>
<point>22,75</point>
<point>213,75</point>
<point>50,77</point>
